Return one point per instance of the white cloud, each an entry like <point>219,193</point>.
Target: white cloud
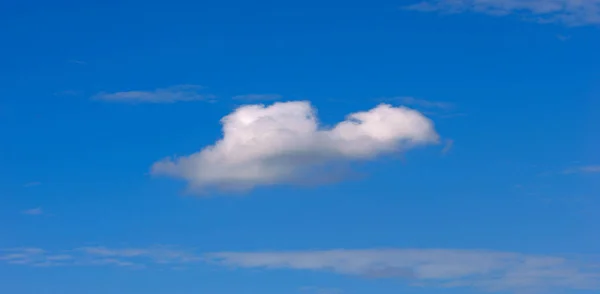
<point>166,95</point>
<point>34,211</point>
<point>487,270</point>
<point>282,143</point>
<point>258,97</point>
<point>568,12</point>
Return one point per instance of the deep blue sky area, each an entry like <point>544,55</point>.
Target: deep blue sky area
<point>94,93</point>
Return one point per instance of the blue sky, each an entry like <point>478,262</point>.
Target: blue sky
<point>401,147</point>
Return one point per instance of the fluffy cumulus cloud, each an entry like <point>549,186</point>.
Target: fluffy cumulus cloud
<point>569,12</point>
<point>486,270</point>
<point>283,143</point>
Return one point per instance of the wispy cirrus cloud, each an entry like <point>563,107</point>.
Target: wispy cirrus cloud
<point>77,61</point>
<point>412,101</point>
<point>567,12</point>
<point>67,93</point>
<point>563,38</point>
<point>32,184</point>
<point>163,255</point>
<point>587,169</point>
<point>447,146</point>
<point>163,95</point>
<point>440,109</point>
<point>484,270</point>
<point>34,211</point>
<point>258,97</point>
<point>26,256</point>
<point>320,290</point>
<point>98,256</point>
